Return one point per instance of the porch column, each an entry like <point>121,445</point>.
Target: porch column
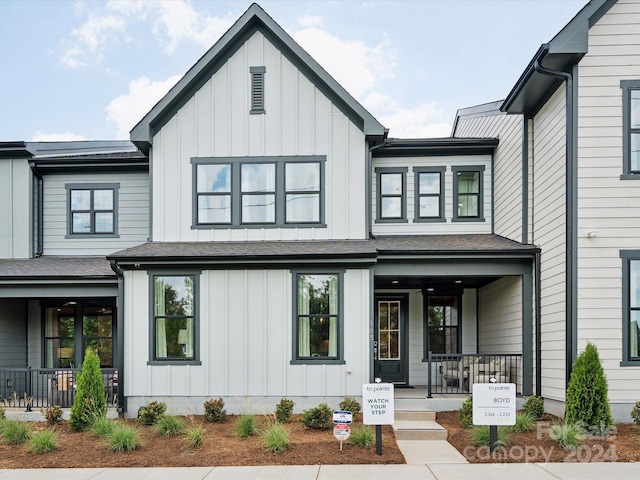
<point>527,334</point>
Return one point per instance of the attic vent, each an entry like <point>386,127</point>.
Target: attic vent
<point>257,89</point>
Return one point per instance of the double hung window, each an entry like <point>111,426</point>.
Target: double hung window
<point>442,324</point>
<point>391,199</point>
<point>467,193</point>
<point>92,209</point>
<point>429,194</point>
<point>631,307</point>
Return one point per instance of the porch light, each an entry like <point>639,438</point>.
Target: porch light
<point>395,282</point>
<point>458,282</point>
<point>430,289</point>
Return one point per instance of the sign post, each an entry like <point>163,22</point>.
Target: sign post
<point>494,404</point>
<point>378,408</point>
<point>342,431</point>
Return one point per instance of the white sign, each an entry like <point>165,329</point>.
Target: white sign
<point>377,404</point>
<point>342,417</point>
<point>494,403</point>
<point>341,431</point>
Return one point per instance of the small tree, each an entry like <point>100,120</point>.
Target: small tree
<point>90,402</point>
<point>587,399</point>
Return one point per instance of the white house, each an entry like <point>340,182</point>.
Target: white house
<point>262,236</point>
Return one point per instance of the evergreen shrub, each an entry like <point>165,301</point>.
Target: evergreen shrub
<point>90,402</point>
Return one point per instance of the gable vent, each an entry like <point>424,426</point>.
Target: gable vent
<point>257,89</point>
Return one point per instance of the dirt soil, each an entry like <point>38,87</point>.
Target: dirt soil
<point>221,447</point>
<point>622,445</point>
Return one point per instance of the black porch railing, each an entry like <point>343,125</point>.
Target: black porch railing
<point>456,374</point>
<point>30,388</point>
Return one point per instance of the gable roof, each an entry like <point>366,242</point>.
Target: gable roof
<point>569,45</point>
<point>254,19</point>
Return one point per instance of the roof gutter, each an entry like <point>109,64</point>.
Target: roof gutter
<point>571,216</point>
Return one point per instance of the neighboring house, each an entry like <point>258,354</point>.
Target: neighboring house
<point>265,238</point>
<point>569,161</point>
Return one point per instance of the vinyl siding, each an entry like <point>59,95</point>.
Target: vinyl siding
<point>299,120</point>
<point>608,205</point>
<point>15,209</point>
<point>507,164</point>
<point>448,227</point>
<point>132,214</point>
<point>13,339</point>
<point>245,344</point>
<point>548,230</point>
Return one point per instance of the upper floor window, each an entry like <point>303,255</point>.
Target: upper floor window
<point>467,193</point>
<point>391,199</point>
<point>317,328</point>
<point>631,306</point>
<point>631,128</point>
<point>92,209</point>
<point>174,319</point>
<point>258,192</point>
<point>429,194</point>
<point>257,89</point>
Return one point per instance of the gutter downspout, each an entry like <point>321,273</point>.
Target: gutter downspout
<point>122,407</point>
<point>571,203</point>
<point>40,219</point>
<point>538,314</point>
<point>369,187</point>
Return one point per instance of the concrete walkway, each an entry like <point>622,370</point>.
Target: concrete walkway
<point>429,471</point>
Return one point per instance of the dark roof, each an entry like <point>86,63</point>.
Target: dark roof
<point>14,150</point>
<point>55,267</point>
<point>569,45</point>
<point>125,160</point>
<point>483,110</point>
<point>488,244</point>
<point>395,147</point>
<point>254,19</point>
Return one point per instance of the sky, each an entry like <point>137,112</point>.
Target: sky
<point>90,70</point>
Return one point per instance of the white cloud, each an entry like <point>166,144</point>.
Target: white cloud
<point>127,110</point>
<point>56,137</point>
<point>86,42</point>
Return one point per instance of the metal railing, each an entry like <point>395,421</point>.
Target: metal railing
<point>456,373</point>
<point>30,388</point>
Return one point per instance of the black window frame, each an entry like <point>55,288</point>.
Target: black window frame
<point>457,170</point>
<point>153,358</point>
<point>280,191</point>
<point>627,87</point>
<point>296,358</point>
<point>427,329</point>
<point>627,257</point>
<point>257,90</point>
<point>380,172</point>
<point>417,171</point>
<point>92,187</point>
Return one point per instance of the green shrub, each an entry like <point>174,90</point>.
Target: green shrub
<point>103,426</point>
<point>275,437</point>
<point>465,414</point>
<point>2,414</point>
<point>169,426</point>
<point>317,417</point>
<point>284,409</point>
<point>245,425</point>
<point>534,406</point>
<point>569,436</point>
<point>214,410</point>
<point>123,438</point>
<point>52,415</point>
<point>481,436</point>
<point>635,413</point>
<point>195,436</point>
<point>587,400</point>
<point>43,442</point>
<point>90,402</point>
<point>15,432</point>
<point>350,405</point>
<point>151,412</point>
<point>524,423</point>
<point>362,436</point>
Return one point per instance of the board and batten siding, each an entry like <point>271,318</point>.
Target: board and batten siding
<point>132,214</point>
<point>15,209</point>
<point>245,345</point>
<point>507,166</point>
<point>13,334</point>
<point>299,120</point>
<point>607,204</point>
<point>448,227</point>
<point>548,230</point>
<point>500,313</point>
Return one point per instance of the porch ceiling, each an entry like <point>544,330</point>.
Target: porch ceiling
<point>438,283</point>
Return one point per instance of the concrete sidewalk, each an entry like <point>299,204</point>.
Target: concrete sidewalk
<point>429,471</point>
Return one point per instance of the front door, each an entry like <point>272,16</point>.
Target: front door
<point>391,348</point>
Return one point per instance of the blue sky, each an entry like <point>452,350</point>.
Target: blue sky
<point>90,70</point>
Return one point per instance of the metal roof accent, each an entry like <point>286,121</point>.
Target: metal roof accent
<point>254,19</point>
<point>437,146</point>
<point>14,150</point>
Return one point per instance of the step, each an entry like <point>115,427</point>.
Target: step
<point>415,415</point>
<point>419,430</point>
<point>411,404</point>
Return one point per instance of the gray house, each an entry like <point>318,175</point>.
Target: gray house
<point>262,236</point>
